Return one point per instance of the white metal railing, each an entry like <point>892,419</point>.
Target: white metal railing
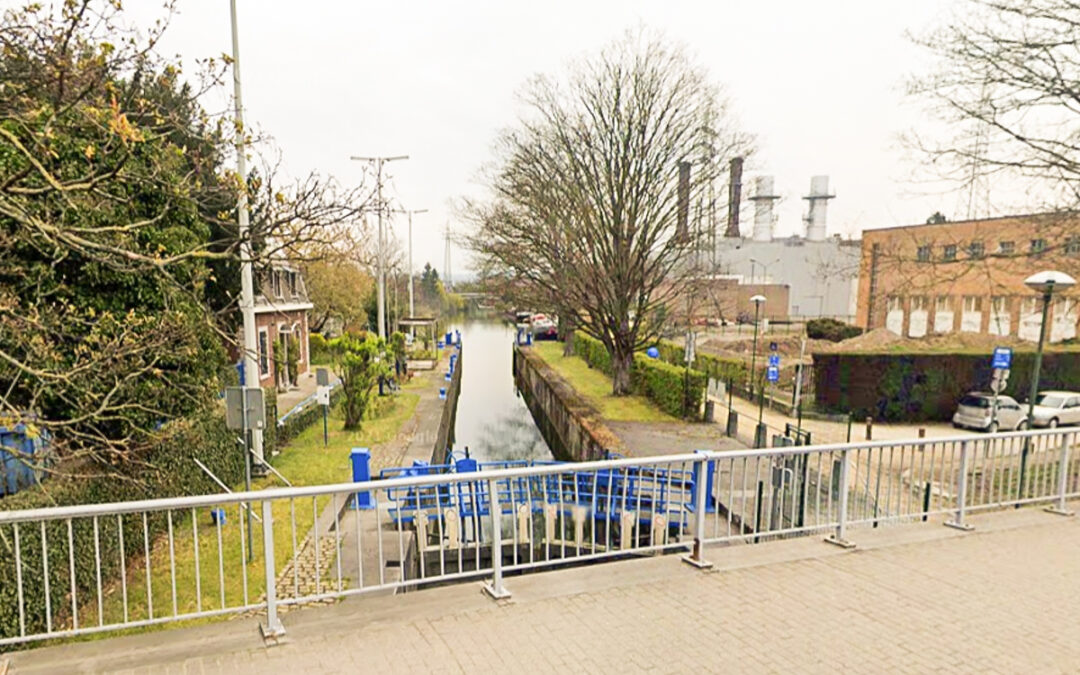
<point>71,570</point>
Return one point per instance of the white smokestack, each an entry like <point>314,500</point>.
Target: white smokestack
<point>763,208</point>
<point>819,201</point>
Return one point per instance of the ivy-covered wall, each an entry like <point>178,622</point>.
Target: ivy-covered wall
<point>926,387</point>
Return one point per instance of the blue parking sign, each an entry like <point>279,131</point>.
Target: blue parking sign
<point>772,374</point>
<point>774,360</point>
<point>1002,358</point>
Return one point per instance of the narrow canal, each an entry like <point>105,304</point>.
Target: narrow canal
<point>492,419</point>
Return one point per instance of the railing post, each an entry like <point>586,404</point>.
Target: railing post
<point>839,538</point>
<point>701,486</point>
<point>273,628</point>
<point>961,506</point>
<point>1063,478</point>
<point>495,588</point>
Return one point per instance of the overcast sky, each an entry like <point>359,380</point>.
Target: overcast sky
<point>819,83</point>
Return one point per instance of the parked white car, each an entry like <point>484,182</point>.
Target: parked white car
<point>1053,408</point>
<point>975,411</point>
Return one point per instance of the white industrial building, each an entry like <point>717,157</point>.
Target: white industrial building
<point>822,271</point>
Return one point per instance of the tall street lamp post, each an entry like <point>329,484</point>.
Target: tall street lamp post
<point>1046,283</point>
<point>381,267</point>
<point>412,307</point>
<point>757,300</point>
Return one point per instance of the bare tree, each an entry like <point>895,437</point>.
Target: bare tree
<point>1008,79</point>
<point>586,202</point>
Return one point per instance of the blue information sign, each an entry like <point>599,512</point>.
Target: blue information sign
<point>1002,358</point>
<point>772,374</point>
<point>774,360</point>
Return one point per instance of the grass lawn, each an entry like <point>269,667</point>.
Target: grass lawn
<point>211,574</point>
<point>595,387</point>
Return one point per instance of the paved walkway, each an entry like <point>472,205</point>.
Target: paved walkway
<point>824,431</point>
<point>917,598</point>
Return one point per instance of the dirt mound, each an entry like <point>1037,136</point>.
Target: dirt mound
<point>884,340</point>
<point>787,346</point>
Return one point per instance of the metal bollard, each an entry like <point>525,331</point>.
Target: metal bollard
<point>961,506</point>
<point>838,538</point>
<point>869,428</point>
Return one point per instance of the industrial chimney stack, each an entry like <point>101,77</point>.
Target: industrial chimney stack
<point>734,198</point>
<point>819,200</point>
<point>763,208</point>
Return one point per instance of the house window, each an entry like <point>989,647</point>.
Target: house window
<point>1072,245</point>
<point>276,283</point>
<point>1006,247</point>
<point>264,353</point>
<point>944,304</point>
<point>918,303</point>
<point>292,284</point>
<point>972,303</point>
<point>999,305</point>
<point>976,249</point>
<point>1038,246</point>
<point>894,304</point>
<point>923,254</point>
<point>950,252</point>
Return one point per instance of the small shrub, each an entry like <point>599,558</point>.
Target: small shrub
<point>831,329</point>
<point>318,348</point>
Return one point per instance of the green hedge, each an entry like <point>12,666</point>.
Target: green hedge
<point>717,367</point>
<point>166,471</point>
<point>675,390</point>
<point>300,421</point>
<point>926,387</point>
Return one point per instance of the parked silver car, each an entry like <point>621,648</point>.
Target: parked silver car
<point>1056,407</point>
<point>975,411</point>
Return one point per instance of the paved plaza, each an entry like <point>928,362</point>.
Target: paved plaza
<point>912,598</point>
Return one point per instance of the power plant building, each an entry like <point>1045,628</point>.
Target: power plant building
<point>821,271</point>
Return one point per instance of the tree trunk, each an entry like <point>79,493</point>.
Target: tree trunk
<point>621,362</point>
<point>566,329</point>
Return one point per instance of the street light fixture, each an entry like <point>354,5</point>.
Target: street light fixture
<point>412,308</point>
<point>759,433</point>
<point>1047,283</point>
<point>757,300</point>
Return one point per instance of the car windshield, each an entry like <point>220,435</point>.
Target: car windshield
<point>1050,400</point>
<point>975,402</point>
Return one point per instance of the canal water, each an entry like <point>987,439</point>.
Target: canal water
<point>492,419</point>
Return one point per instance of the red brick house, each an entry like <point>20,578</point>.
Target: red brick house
<point>281,324</point>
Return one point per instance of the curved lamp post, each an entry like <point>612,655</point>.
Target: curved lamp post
<point>1047,283</point>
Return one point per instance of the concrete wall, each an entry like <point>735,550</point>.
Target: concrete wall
<point>444,437</point>
<point>822,275</point>
<point>572,428</point>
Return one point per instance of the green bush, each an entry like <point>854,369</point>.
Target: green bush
<point>831,329</point>
<point>318,349</point>
<point>676,390</point>
<point>168,470</point>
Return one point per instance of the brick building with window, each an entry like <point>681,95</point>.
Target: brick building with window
<point>281,325</point>
<point>968,277</point>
